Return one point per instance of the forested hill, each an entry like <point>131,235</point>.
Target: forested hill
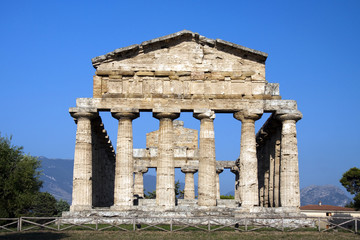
<point>57,177</point>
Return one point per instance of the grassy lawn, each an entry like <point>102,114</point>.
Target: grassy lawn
<point>109,235</point>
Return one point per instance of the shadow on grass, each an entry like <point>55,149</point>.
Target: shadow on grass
<point>33,235</point>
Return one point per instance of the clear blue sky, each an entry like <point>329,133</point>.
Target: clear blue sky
<point>313,47</point>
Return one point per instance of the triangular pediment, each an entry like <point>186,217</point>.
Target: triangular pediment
<point>181,51</point>
<point>180,65</point>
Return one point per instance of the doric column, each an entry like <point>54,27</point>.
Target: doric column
<point>271,171</point>
<point>165,171</point>
<point>123,189</point>
<point>277,172</point>
<point>139,181</point>
<point>189,189</point>
<point>207,161</point>
<point>235,170</point>
<point>249,194</point>
<point>82,178</point>
<point>218,171</point>
<point>289,166</point>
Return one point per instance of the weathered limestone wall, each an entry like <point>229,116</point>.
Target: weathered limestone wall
<point>186,139</point>
<point>268,142</point>
<point>93,164</point>
<point>278,172</point>
<point>189,65</point>
<point>185,84</point>
<point>103,166</point>
<point>139,181</point>
<point>188,53</point>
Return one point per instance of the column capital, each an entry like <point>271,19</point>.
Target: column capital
<point>295,116</point>
<point>245,115</point>
<point>141,169</point>
<point>201,114</point>
<point>234,169</point>
<point>219,170</point>
<point>88,115</point>
<point>188,170</point>
<point>171,115</point>
<point>125,115</point>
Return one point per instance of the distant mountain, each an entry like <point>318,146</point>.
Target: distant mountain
<point>327,194</point>
<point>57,177</point>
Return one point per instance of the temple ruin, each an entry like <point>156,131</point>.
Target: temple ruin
<point>184,72</point>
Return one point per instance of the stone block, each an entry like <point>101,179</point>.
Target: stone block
<point>97,86</point>
<point>197,75</point>
<point>115,86</point>
<point>127,73</point>
<point>272,89</point>
<point>143,74</point>
<point>183,73</point>
<point>164,73</point>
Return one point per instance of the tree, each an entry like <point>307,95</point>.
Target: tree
<point>179,194</point>
<point>150,195</point>
<point>19,179</point>
<point>351,181</point>
<point>227,196</point>
<point>44,205</point>
<point>62,206</point>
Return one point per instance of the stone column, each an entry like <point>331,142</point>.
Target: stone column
<point>277,172</point>
<point>139,181</point>
<point>207,161</point>
<point>218,171</point>
<point>249,194</point>
<point>271,171</point>
<point>189,189</point>
<point>123,189</point>
<point>165,171</point>
<point>235,170</point>
<point>289,166</point>
<point>82,177</point>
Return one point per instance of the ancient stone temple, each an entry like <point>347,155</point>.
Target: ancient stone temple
<point>185,72</point>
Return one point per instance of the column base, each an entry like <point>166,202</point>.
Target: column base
<point>79,208</point>
<point>121,207</point>
<point>207,202</point>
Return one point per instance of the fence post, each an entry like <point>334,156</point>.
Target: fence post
<point>355,225</point>
<point>20,219</point>
<point>18,225</point>
<point>209,227</point>
<point>134,224</point>
<point>58,223</point>
<point>171,224</point>
<point>319,224</point>
<point>282,224</point>
<point>246,228</point>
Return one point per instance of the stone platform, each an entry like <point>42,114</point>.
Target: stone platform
<point>147,208</point>
<point>189,214</point>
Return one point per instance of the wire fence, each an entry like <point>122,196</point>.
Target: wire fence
<point>206,224</point>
